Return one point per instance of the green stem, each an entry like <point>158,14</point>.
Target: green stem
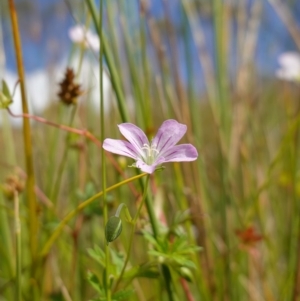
<point>132,232</point>
<point>155,229</point>
<point>168,280</point>
<point>219,28</point>
<point>103,170</point>
<point>18,247</point>
<point>63,161</point>
<point>115,79</point>
<point>151,214</point>
<point>78,209</point>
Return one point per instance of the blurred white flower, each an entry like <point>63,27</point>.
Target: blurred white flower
<point>289,66</point>
<point>81,35</point>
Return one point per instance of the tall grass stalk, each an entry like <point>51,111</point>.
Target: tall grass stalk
<point>6,248</point>
<point>115,79</point>
<point>103,171</point>
<point>219,34</point>
<point>18,248</point>
<point>60,172</point>
<point>30,183</point>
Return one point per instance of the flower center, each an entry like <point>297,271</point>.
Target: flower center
<point>150,153</point>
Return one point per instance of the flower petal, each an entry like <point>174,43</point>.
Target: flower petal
<point>180,153</point>
<point>134,135</point>
<point>168,135</point>
<point>144,167</point>
<point>149,168</point>
<point>120,147</point>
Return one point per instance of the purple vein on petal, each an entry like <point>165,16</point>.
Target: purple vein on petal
<point>181,152</point>
<point>165,144</point>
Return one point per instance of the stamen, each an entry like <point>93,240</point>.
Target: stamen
<point>150,153</point>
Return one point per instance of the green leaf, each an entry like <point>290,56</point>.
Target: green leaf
<point>98,255</point>
<point>117,259</point>
<point>94,281</point>
<point>147,270</point>
<point>4,101</point>
<point>122,295</point>
<point>5,96</point>
<point>5,89</point>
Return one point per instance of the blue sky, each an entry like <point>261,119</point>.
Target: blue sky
<point>44,25</point>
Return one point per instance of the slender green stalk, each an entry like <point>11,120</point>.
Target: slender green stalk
<point>103,170</point>
<point>79,208</point>
<point>151,213</point>
<point>219,27</point>
<point>63,162</point>
<point>115,79</point>
<point>5,234</point>
<point>132,232</point>
<point>295,244</point>
<point>7,264</point>
<point>218,11</point>
<point>18,247</point>
<point>155,229</point>
<point>142,115</point>
<point>30,183</point>
<point>145,70</point>
<point>113,39</point>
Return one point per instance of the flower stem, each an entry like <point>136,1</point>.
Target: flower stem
<point>132,232</point>
<point>81,132</point>
<point>155,229</point>
<point>151,213</point>
<point>79,208</point>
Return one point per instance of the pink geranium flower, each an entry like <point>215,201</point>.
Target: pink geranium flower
<point>162,148</point>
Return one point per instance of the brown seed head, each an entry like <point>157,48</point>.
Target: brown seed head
<point>12,183</point>
<point>69,89</point>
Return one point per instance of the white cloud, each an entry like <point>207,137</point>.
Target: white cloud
<point>42,88</point>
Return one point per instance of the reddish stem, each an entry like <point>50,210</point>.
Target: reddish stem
<point>186,289</point>
<point>85,133</point>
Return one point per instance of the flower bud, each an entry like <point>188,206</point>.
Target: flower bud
<point>186,274</point>
<point>113,228</point>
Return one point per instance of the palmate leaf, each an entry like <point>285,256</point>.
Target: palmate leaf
<point>98,255</point>
<point>117,259</point>
<point>147,270</point>
<point>175,252</point>
<point>122,295</point>
<point>95,283</point>
<point>173,259</point>
<point>118,296</point>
